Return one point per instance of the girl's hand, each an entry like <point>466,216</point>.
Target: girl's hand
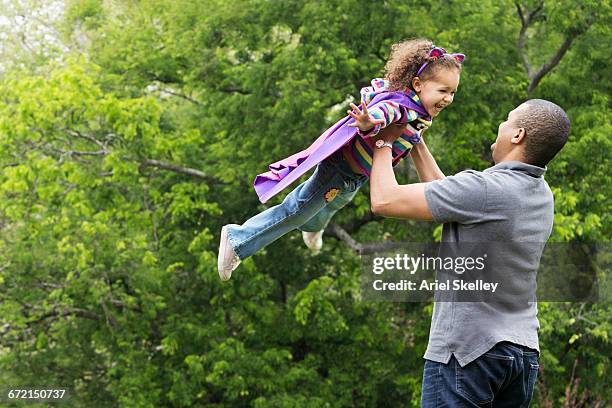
<point>363,120</point>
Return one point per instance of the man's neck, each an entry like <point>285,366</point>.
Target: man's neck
<point>513,156</point>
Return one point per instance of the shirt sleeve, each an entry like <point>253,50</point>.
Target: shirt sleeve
<point>459,198</point>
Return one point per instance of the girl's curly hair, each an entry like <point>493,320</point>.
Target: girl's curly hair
<point>407,57</point>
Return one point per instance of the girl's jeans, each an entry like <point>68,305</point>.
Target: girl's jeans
<point>308,208</point>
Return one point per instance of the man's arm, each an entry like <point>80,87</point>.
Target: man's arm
<point>459,198</point>
<point>425,164</point>
<point>387,197</point>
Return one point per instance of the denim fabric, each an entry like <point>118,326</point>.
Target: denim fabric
<point>502,377</point>
<point>309,207</point>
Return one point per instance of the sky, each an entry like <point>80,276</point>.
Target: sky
<point>27,29</point>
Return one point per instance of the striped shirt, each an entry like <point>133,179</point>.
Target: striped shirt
<point>359,150</point>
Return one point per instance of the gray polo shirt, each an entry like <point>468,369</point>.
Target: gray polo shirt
<point>509,202</point>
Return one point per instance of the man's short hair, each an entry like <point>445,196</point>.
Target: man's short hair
<point>546,130</point>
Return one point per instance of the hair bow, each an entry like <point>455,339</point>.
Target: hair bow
<point>437,52</point>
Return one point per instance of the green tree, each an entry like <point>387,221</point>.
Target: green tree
<point>122,159</point>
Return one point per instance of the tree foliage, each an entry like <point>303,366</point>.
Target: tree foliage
<point>122,160</point>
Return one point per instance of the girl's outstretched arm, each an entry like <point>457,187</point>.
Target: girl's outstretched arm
<point>364,121</point>
<point>370,121</point>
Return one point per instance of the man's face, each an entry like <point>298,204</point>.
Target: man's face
<point>506,131</point>
<point>438,92</point>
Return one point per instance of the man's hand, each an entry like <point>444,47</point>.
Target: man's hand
<point>363,120</point>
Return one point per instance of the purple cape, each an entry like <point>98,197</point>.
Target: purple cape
<point>286,171</point>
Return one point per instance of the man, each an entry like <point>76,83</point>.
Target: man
<point>482,354</point>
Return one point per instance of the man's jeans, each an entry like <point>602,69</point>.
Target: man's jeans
<point>309,207</point>
<point>503,377</point>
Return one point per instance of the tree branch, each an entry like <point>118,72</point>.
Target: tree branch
<point>82,153</point>
<point>525,23</point>
<point>520,12</point>
<point>527,17</point>
<point>180,95</point>
<point>338,232</point>
<point>177,169</point>
<point>362,249</point>
<point>92,139</point>
<point>535,12</point>
<point>553,62</point>
<point>234,89</point>
<point>522,39</point>
<point>86,314</point>
<point>104,151</point>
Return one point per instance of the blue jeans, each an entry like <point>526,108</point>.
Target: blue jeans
<point>502,377</point>
<point>309,207</point>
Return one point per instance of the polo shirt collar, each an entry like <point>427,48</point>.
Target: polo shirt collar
<point>530,169</point>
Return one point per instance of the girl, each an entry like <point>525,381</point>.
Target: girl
<point>420,81</point>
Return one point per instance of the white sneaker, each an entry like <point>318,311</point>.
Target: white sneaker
<point>313,240</point>
<point>227,260</point>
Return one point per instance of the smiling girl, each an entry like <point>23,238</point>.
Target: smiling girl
<point>420,81</point>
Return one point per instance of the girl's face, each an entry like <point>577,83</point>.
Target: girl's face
<point>439,91</point>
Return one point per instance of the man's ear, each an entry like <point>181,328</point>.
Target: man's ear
<point>416,84</point>
<point>518,136</point>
